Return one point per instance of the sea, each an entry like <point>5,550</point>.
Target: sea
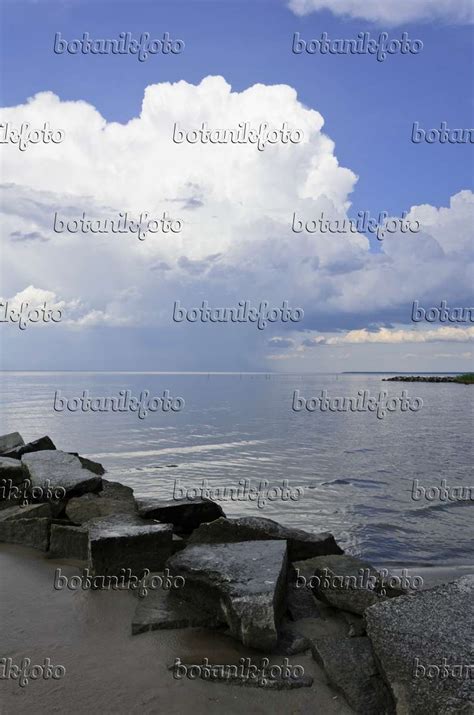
<point>354,473</point>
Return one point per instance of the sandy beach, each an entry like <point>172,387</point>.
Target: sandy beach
<point>110,671</point>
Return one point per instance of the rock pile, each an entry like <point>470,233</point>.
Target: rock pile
<point>261,582</point>
<point>420,378</point>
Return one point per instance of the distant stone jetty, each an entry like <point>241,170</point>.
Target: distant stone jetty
<point>386,650</point>
<point>467,379</point>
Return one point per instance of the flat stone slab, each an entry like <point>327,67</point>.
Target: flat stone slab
<point>10,441</point>
<point>27,532</point>
<point>10,469</point>
<point>350,668</point>
<point>341,581</point>
<point>161,611</point>
<point>242,583</point>
<point>185,514</point>
<point>301,544</point>
<point>35,446</point>
<point>72,542</point>
<point>30,511</point>
<point>113,499</point>
<point>62,470</point>
<point>127,542</point>
<point>424,646</point>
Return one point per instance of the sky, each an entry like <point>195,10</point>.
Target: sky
<point>116,292</point>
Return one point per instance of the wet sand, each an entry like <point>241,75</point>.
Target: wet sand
<point>110,671</point>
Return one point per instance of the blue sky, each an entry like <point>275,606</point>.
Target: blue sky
<point>368,106</point>
<point>368,110</point>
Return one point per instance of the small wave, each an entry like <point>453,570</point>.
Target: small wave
<point>354,451</point>
<point>441,506</point>
<point>176,450</point>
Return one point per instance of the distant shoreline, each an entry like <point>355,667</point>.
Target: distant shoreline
<point>400,372</point>
<point>466,378</point>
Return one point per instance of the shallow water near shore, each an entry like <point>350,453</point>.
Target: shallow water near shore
<point>357,471</point>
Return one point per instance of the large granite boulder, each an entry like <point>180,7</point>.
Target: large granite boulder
<point>90,464</point>
<point>184,514</point>
<point>69,542</point>
<point>350,668</point>
<point>339,580</point>
<point>26,532</point>
<point>243,583</point>
<point>36,446</point>
<point>10,441</point>
<point>424,647</point>
<point>26,525</point>
<point>123,541</point>
<point>300,602</point>
<point>62,470</point>
<point>301,544</point>
<point>114,498</point>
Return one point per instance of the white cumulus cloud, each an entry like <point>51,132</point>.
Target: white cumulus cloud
<point>392,12</point>
<point>237,206</point>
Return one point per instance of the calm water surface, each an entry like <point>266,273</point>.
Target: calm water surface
<point>357,471</point>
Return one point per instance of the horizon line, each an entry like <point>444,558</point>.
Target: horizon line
<point>239,372</point>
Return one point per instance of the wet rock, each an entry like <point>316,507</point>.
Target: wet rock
<point>356,624</point>
<point>127,542</point>
<point>27,532</point>
<point>184,514</point>
<point>113,499</point>
<point>350,668</point>
<point>7,503</point>
<point>178,544</point>
<point>10,470</point>
<point>69,542</point>
<point>301,544</point>
<point>159,611</point>
<point>89,464</point>
<point>30,511</point>
<point>424,647</point>
<point>243,583</point>
<point>116,490</point>
<point>300,602</point>
<point>341,581</point>
<point>290,642</point>
<point>311,628</point>
<point>10,441</point>
<point>43,443</point>
<point>62,470</point>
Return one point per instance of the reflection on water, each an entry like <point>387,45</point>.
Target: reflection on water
<point>357,471</point>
